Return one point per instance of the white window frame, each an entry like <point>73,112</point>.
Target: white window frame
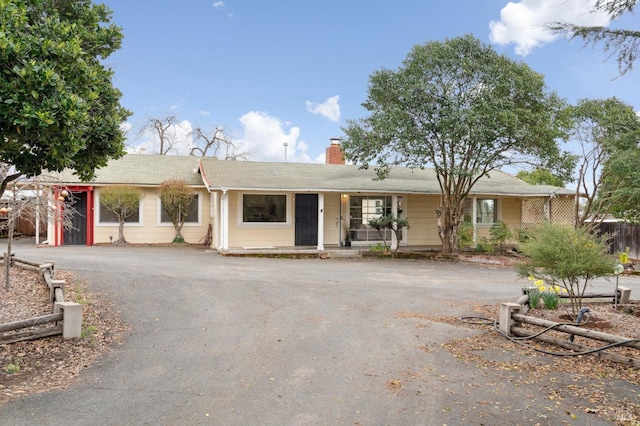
<point>288,215</point>
<point>186,224</point>
<point>98,219</point>
<point>497,208</point>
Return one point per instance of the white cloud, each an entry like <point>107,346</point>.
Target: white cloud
<point>204,112</point>
<point>218,4</point>
<point>329,108</point>
<point>523,23</point>
<point>264,136</point>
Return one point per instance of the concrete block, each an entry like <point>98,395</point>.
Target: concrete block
<point>52,289</point>
<point>625,295</point>
<point>506,319</point>
<point>71,320</point>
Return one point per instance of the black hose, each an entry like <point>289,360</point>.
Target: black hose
<point>489,321</point>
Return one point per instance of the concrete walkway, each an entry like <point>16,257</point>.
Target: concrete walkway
<point>249,341</point>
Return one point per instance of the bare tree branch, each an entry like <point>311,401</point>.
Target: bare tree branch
<point>161,128</point>
<point>217,143</point>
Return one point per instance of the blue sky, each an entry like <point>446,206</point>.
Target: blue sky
<point>270,72</point>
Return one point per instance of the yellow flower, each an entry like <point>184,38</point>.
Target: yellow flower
<point>539,283</point>
<point>532,278</point>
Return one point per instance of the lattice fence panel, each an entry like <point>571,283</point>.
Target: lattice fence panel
<point>539,210</point>
<point>563,210</point>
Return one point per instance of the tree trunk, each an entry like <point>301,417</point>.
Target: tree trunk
<point>121,232</point>
<point>7,259</point>
<point>447,229</point>
<point>178,238</point>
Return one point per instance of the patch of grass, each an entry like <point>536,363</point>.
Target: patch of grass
<point>89,331</point>
<point>12,368</point>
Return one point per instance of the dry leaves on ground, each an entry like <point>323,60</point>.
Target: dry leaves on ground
<point>542,369</point>
<point>51,363</point>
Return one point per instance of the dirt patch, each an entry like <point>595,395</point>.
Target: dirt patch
<point>52,363</point>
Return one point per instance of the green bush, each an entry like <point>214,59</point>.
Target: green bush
<point>484,245</point>
<point>500,233</point>
<point>465,235</point>
<point>566,257</point>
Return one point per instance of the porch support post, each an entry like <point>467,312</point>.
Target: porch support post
<point>224,221</point>
<point>394,211</point>
<point>215,217</point>
<point>474,212</point>
<point>320,222</point>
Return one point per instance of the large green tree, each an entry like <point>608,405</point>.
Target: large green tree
<point>58,106</point>
<point>622,43</point>
<point>606,131</point>
<point>621,183</point>
<point>462,109</point>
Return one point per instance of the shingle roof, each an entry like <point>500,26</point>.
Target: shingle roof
<point>136,169</point>
<point>249,175</point>
<point>152,170</point>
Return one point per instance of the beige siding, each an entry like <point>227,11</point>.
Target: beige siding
<point>149,230</point>
<point>259,234</point>
<point>511,213</point>
<point>423,227</point>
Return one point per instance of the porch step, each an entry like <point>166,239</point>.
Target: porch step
<point>344,253</point>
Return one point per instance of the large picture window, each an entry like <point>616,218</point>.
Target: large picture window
<point>361,210</point>
<point>486,210</point>
<point>109,217</point>
<point>193,211</point>
<point>261,208</point>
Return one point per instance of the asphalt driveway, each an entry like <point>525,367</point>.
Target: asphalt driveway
<point>254,341</point>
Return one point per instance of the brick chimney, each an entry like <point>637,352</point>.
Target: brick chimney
<point>334,154</point>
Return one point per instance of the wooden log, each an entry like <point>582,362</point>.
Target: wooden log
<point>578,331</point>
<point>26,262</point>
<point>15,325</point>
<point>584,296</point>
<point>59,295</point>
<point>31,335</point>
<point>522,332</point>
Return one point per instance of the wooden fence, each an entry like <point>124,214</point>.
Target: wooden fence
<point>622,235</point>
<point>69,313</point>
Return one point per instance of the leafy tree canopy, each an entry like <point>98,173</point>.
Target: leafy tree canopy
<point>461,108</point>
<point>607,132</point>
<point>540,176</point>
<point>621,182</point>
<point>58,107</point>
